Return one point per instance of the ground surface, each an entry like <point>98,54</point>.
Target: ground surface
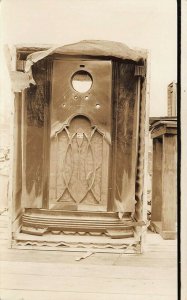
<point>57,275</point>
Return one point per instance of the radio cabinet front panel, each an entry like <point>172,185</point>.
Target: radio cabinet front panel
<point>81,120</point>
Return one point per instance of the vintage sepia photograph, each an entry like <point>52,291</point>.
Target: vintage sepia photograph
<point>89,139</point>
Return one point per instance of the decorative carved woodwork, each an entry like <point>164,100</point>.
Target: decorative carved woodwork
<point>79,161</point>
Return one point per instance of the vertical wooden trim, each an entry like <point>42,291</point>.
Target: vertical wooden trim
<point>105,173</point>
<point>57,160</point>
<point>114,103</point>
<point>137,118</point>
<point>23,141</point>
<point>140,163</point>
<point>45,172</point>
<point>46,140</point>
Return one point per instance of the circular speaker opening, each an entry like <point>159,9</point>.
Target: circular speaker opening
<point>81,81</point>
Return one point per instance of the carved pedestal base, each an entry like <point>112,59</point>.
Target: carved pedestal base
<point>77,231</point>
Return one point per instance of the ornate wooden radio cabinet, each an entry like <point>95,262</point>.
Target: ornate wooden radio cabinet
<point>79,148</point>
